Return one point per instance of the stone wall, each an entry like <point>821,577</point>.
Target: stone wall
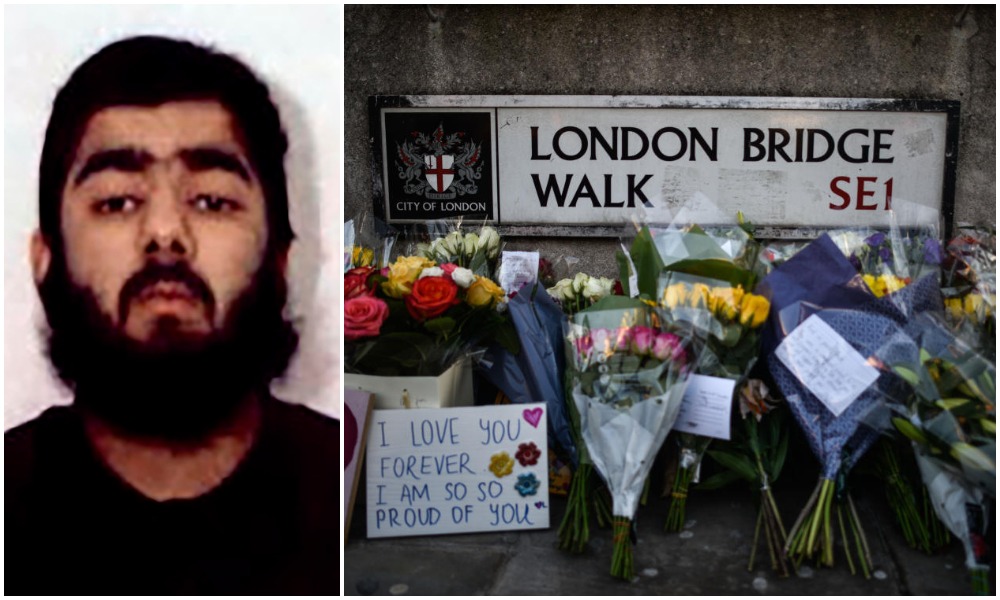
<point>912,52</point>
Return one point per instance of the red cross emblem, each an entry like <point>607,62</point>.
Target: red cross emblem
<point>439,172</point>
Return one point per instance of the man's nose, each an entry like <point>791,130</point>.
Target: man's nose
<point>166,230</point>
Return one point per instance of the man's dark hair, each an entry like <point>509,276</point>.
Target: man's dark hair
<point>149,71</point>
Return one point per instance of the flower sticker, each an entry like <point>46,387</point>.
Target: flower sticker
<point>528,454</point>
<point>527,484</point>
<point>501,464</point>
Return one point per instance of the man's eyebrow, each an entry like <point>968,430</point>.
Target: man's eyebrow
<point>119,159</point>
<point>206,159</point>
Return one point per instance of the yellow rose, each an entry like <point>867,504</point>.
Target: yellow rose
<point>699,296</point>
<point>753,310</point>
<point>893,283</point>
<point>725,301</point>
<point>483,292</point>
<point>403,273</point>
<point>674,295</point>
<point>954,307</point>
<point>976,307</point>
<point>875,284</point>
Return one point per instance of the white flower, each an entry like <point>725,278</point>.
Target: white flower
<point>431,272</point>
<point>562,290</point>
<point>452,244</point>
<point>489,240</point>
<point>471,241</point>
<point>597,288</point>
<point>580,282</point>
<point>463,277</point>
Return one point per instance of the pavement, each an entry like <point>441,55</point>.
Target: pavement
<point>709,557</point>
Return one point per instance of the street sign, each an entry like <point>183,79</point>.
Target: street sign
<point>562,165</point>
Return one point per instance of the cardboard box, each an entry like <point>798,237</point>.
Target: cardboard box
<point>451,388</point>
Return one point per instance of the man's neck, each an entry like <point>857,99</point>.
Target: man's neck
<point>167,470</point>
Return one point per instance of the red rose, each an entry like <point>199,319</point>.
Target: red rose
<point>356,283</point>
<point>363,317</point>
<point>431,296</point>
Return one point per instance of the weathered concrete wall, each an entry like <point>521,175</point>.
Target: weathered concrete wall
<point>915,52</point>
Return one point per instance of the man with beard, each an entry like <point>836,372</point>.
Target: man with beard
<point>160,262</point>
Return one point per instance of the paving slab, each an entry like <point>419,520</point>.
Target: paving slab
<point>709,557</point>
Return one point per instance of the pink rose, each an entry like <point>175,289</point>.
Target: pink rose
<point>584,344</point>
<point>363,317</point>
<point>642,340</point>
<point>448,268</point>
<point>623,339</point>
<point>667,346</point>
<point>601,340</point>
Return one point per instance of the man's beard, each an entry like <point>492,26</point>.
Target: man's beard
<point>176,386</point>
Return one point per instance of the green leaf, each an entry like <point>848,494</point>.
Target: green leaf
<point>778,461</point>
<point>911,377</point>
<point>971,457</point>
<point>734,462</point>
<point>719,480</point>
<point>909,430</point>
<point>440,326</point>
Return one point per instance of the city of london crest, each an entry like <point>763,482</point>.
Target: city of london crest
<point>439,166</point>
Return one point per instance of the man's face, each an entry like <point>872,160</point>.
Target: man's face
<point>166,186</point>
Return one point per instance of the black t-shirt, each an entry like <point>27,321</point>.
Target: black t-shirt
<point>272,527</point>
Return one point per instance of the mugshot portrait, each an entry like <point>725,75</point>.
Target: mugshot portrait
<point>172,243</point>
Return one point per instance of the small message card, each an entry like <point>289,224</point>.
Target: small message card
<point>434,471</point>
<point>517,269</point>
<point>826,364</point>
<point>705,409</point>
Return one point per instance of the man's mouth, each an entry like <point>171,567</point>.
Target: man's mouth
<point>167,290</point>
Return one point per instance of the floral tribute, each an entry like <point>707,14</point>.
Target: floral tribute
<point>416,317</point>
<point>626,376</point>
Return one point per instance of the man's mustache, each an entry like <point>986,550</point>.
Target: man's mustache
<point>153,273</point>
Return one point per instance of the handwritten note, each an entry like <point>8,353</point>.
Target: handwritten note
<point>706,407</point>
<point>457,470</point>
<point>517,268</point>
<point>826,364</point>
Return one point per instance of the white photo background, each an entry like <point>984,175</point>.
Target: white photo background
<point>298,52</point>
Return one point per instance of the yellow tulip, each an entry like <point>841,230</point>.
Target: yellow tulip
<point>403,273</point>
<point>674,295</point>
<point>725,301</point>
<point>753,310</point>
<point>483,292</point>
<point>699,296</point>
<point>362,257</point>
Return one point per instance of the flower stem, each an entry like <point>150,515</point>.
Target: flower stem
<point>574,530</point>
<point>678,500</point>
<point>621,555</point>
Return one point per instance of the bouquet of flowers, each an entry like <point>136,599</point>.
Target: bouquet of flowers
<point>478,251</point>
<point>367,243</point>
<point>969,285</point>
<point>417,318</point>
<point>703,279</point>
<point>626,376</point>
<point>828,325</point>
<point>577,293</point>
<point>949,415</point>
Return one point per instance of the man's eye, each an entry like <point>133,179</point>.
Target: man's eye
<point>210,203</point>
<point>116,204</point>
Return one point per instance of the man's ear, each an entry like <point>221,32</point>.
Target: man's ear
<point>41,256</point>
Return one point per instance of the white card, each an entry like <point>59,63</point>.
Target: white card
<point>707,404</point>
<point>826,364</point>
<point>517,269</point>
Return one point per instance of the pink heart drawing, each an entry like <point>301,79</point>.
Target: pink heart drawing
<point>533,416</point>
